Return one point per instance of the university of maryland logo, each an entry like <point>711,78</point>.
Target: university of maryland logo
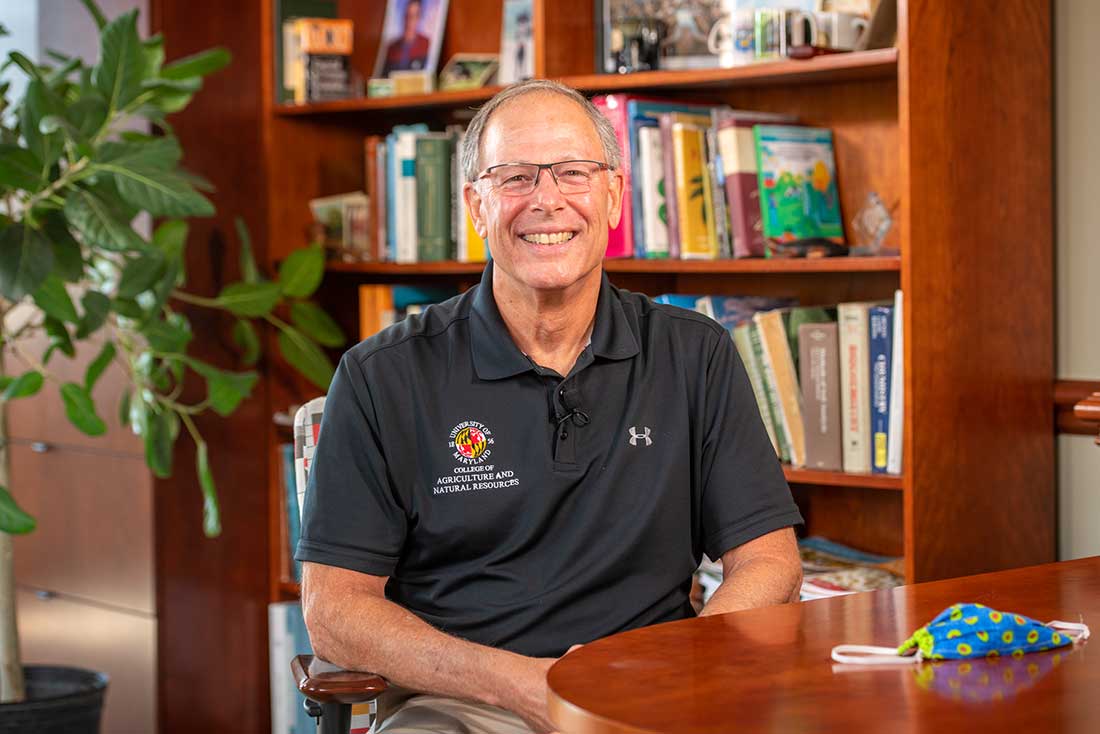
<point>472,442</point>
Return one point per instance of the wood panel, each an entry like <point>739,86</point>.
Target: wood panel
<point>95,524</point>
<point>212,593</point>
<point>976,146</point>
<point>565,38</point>
<point>867,519</point>
<point>62,631</point>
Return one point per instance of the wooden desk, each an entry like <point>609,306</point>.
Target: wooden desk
<point>769,669</point>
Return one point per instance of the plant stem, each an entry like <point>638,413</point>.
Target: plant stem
<point>66,178</point>
<point>196,300</point>
<point>12,686</point>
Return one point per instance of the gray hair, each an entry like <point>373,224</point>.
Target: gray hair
<point>470,154</point>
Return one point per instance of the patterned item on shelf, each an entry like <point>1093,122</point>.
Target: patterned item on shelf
<point>307,428</point>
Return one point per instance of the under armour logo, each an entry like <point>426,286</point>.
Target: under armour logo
<point>644,435</point>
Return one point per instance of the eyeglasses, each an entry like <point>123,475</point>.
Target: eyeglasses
<point>520,179</point>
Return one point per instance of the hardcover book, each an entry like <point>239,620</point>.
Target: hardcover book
<point>743,341</point>
<point>880,343</point>
<point>855,386</point>
<point>650,180</point>
<point>777,356</point>
<point>694,205</point>
<point>897,392</point>
<point>433,197</point>
<point>796,173</point>
<point>819,374</point>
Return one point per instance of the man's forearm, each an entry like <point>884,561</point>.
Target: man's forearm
<point>364,632</point>
<point>755,583</point>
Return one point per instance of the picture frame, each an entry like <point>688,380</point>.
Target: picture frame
<point>468,71</point>
<point>412,34</point>
<point>517,42</point>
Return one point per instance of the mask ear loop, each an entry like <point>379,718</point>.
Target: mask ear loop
<point>1073,630</point>
<point>872,655</point>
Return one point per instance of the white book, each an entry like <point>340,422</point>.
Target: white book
<point>897,392</point>
<point>405,198</point>
<point>279,656</point>
<point>458,211</point>
<point>855,386</point>
<point>742,339</point>
<point>651,176</point>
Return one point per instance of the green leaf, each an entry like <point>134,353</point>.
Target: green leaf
<point>249,299</point>
<point>171,86</point>
<point>80,409</point>
<point>19,168</point>
<point>152,55</point>
<point>129,308</point>
<point>312,320</point>
<point>25,261</point>
<point>168,336</point>
<point>301,272</point>
<point>171,238</point>
<point>140,274</point>
<point>61,73</point>
<point>101,221</point>
<point>124,408</point>
<point>211,517</point>
<point>161,193</point>
<point>25,64</point>
<point>245,337</point>
<point>39,102</point>
<point>161,152</point>
<point>52,298</point>
<point>59,338</point>
<point>96,306</point>
<point>25,385</point>
<point>118,75</point>
<point>158,443</point>
<point>88,114</point>
<point>225,390</point>
<point>96,13</point>
<point>98,365</point>
<point>306,357</point>
<point>249,272</point>
<point>68,260</point>
<point>203,63</point>
<point>13,520</point>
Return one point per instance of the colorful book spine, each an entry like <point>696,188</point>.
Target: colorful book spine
<point>651,183</point>
<point>664,124</point>
<point>382,216</point>
<point>620,239</point>
<point>897,392</point>
<point>433,197</point>
<point>694,202</point>
<point>855,384</point>
<point>819,375</point>
<point>293,516</point>
<point>771,393</point>
<point>717,187</point>
<point>743,341</point>
<point>370,177</point>
<point>880,320</point>
<point>405,198</point>
<point>777,354</point>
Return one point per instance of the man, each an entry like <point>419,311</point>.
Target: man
<point>472,514</point>
<point>410,50</point>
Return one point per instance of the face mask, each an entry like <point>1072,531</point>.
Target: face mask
<point>969,631</point>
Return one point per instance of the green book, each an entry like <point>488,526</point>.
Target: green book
<point>768,383</point>
<point>433,197</point>
<point>743,341</point>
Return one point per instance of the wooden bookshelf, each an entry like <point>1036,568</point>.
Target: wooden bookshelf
<point>952,129</point>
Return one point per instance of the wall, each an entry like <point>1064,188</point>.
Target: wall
<point>1077,179</point>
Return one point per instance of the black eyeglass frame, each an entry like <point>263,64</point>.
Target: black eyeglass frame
<point>542,167</point>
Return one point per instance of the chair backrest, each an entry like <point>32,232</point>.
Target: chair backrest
<point>307,427</point>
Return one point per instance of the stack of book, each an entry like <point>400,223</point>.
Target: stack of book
<point>315,59</point>
<point>832,569</point>
<point>706,181</point>
<point>827,379</point>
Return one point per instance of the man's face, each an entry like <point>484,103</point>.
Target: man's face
<point>544,128</point>
<point>412,17</point>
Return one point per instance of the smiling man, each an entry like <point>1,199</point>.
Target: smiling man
<point>539,462</point>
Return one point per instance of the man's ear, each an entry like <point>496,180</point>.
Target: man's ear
<point>473,205</point>
<point>614,198</point>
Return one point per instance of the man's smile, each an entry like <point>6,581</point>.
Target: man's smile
<point>548,238</point>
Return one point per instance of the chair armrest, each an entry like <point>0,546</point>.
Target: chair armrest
<point>325,683</point>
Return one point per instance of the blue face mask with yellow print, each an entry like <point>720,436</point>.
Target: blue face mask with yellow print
<point>965,631</point>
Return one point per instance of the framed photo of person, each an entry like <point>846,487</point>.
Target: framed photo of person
<point>411,36</point>
<point>517,42</point>
<point>467,71</point>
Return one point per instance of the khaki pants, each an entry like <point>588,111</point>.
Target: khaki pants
<point>402,712</point>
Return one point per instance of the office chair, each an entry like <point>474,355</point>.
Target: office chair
<point>330,692</point>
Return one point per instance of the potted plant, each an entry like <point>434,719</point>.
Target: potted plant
<point>74,173</point>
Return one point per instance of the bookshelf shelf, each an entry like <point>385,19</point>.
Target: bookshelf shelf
<point>876,64</point>
<point>656,267</point>
<point>841,479</point>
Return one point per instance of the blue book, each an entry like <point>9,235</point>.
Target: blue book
<point>881,339</point>
<point>637,111</point>
<point>392,172</point>
<point>293,521</point>
<point>287,638</point>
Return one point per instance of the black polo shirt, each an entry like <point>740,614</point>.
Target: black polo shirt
<point>444,463</point>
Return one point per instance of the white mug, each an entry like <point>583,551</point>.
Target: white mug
<point>830,29</point>
<point>731,37</point>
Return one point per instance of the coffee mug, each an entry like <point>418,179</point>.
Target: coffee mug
<point>830,29</point>
<point>731,37</point>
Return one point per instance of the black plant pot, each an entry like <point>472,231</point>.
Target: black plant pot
<point>59,701</point>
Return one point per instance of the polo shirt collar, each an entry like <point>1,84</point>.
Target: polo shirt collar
<point>496,356</point>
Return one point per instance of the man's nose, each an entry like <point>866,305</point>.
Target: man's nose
<point>546,195</point>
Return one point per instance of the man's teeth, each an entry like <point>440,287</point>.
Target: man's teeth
<point>548,239</point>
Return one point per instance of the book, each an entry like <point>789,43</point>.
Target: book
<point>781,369</point>
<point>433,197</point>
<point>832,569</point>
<point>819,376</point>
<point>694,203</point>
<point>796,316</point>
<point>737,153</point>
<point>620,239</point>
<point>376,310</point>
<point>315,58</point>
<point>880,321</point>
<point>897,392</point>
<point>404,200</point>
<point>855,386</point>
<point>286,10</point>
<point>717,186</point>
<point>743,341</point>
<point>382,208</point>
<point>796,175</point>
<point>293,513</point>
<point>394,202</point>
<point>371,170</point>
<point>771,394</point>
<point>650,180</point>
<point>469,247</point>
